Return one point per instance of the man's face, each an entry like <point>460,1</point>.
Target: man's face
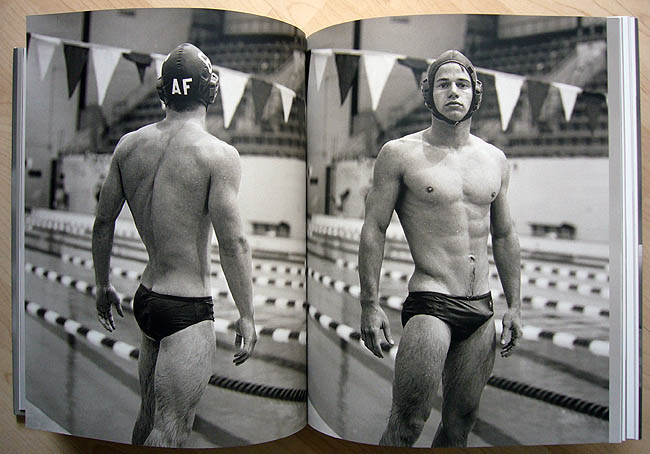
<point>452,91</point>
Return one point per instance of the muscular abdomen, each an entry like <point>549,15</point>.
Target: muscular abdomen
<point>448,244</point>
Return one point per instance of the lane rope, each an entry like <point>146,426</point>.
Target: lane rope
<point>396,242</point>
<point>129,352</point>
<point>565,286</point>
<point>349,335</point>
<point>563,271</point>
<point>263,266</point>
<point>284,303</point>
<point>83,230</point>
<point>532,333</point>
<point>395,302</point>
<point>222,326</point>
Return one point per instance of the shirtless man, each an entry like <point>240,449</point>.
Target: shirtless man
<point>178,181</point>
<point>449,189</point>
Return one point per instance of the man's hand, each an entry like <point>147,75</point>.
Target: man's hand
<point>511,332</point>
<point>245,339</point>
<point>105,298</point>
<point>373,319</point>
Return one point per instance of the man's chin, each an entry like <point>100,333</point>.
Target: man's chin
<point>455,116</point>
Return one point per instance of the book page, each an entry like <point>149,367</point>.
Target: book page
<point>484,217</point>
<point>155,377</point>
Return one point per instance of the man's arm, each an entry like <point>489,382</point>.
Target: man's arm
<point>235,254</point>
<point>111,200</point>
<point>380,204</point>
<point>505,248</point>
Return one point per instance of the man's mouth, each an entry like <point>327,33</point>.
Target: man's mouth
<point>454,103</point>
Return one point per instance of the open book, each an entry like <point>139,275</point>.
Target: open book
<point>308,116</point>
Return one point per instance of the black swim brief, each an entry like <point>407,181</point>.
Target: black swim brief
<point>463,314</point>
<point>159,315</point>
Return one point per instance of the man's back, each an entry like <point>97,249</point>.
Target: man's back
<point>166,182</point>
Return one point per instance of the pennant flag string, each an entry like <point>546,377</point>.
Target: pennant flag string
<point>106,58</point>
<point>508,86</point>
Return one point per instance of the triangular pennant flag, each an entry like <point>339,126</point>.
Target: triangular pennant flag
<point>537,92</point>
<point>158,62</point>
<point>298,60</point>
<point>320,63</point>
<point>45,49</point>
<point>378,68</point>
<point>142,61</point>
<point>261,93</point>
<point>233,84</point>
<point>593,102</point>
<point>417,66</point>
<point>508,88</point>
<point>346,67</point>
<point>75,60</point>
<point>287,96</point>
<point>105,60</point>
<point>568,95</point>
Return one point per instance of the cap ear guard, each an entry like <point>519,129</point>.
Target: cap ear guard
<point>160,89</point>
<point>427,93</point>
<point>213,88</point>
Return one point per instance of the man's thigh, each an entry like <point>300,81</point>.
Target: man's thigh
<point>420,358</point>
<point>468,367</point>
<point>185,363</point>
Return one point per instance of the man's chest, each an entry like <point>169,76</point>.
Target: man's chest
<point>469,178</point>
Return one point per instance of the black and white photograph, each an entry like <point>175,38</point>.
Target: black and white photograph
<point>164,273</point>
<point>458,238</point>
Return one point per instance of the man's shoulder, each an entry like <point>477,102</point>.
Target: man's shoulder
<point>214,149</point>
<point>487,148</point>
<point>397,148</point>
<point>132,139</point>
<point>405,142</point>
<point>215,154</point>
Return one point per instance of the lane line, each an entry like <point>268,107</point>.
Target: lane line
<point>129,352</point>
<point>349,335</point>
<point>395,301</point>
<point>222,326</point>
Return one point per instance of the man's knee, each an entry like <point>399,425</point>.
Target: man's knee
<point>458,420</point>
<point>404,428</point>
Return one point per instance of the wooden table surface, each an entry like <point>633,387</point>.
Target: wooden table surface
<point>310,16</point>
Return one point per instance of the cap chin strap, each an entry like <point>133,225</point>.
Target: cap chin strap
<point>440,116</point>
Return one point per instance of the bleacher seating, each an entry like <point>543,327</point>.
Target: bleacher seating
<point>536,56</point>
